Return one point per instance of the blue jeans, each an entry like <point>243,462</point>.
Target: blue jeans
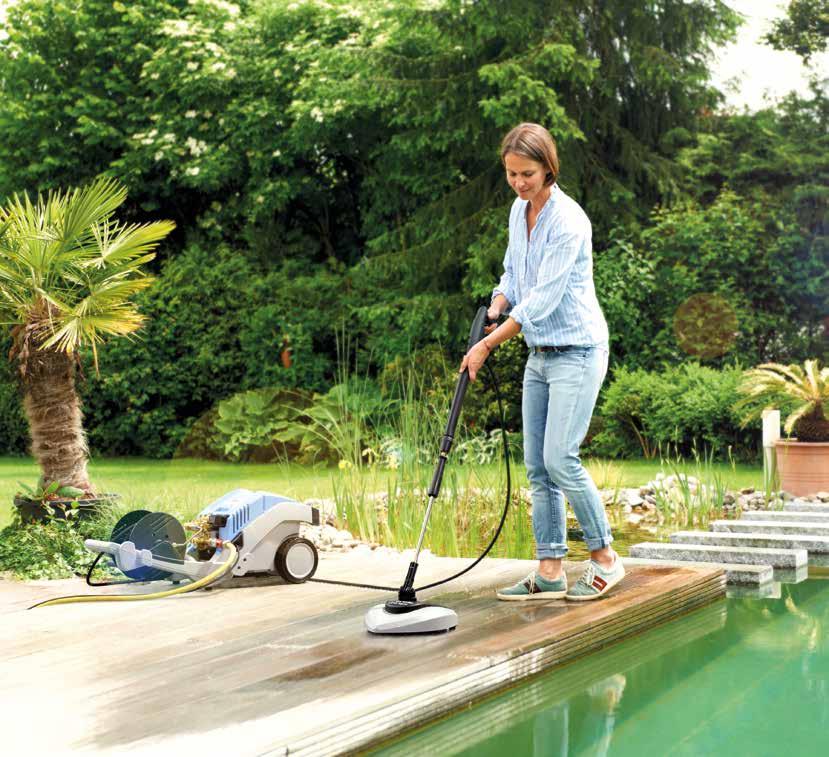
<point>560,391</point>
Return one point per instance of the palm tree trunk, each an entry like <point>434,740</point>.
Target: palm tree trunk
<point>53,409</point>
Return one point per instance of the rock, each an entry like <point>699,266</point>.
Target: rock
<point>747,490</point>
<point>634,500</point>
<point>822,496</point>
<point>627,509</point>
<point>634,519</point>
<point>728,499</point>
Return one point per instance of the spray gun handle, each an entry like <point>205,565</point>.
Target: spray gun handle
<point>476,333</point>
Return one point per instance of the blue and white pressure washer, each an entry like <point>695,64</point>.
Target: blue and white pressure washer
<point>263,527</point>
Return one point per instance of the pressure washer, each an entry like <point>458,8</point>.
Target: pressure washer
<point>257,534</point>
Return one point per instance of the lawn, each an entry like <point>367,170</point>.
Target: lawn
<point>183,487</point>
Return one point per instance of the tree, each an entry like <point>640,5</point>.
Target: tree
<point>804,29</point>
<point>68,269</point>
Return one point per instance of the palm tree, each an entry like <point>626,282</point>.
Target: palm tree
<point>68,269</point>
<point>806,389</point>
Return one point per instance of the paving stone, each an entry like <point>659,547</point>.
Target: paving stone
<point>791,516</point>
<point>777,558</point>
<point>816,544</point>
<point>770,527</point>
<point>735,574</point>
<point>805,506</point>
<point>772,590</point>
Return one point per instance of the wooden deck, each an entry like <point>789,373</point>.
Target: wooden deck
<point>290,669</point>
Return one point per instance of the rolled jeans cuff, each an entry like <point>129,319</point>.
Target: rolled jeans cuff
<point>550,551</point>
<point>599,542</point>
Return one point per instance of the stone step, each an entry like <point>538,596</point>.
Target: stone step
<point>812,544</point>
<point>777,558</point>
<point>735,574</point>
<point>805,506</point>
<point>787,515</point>
<point>770,527</point>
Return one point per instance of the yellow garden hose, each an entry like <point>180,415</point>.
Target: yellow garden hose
<point>200,584</point>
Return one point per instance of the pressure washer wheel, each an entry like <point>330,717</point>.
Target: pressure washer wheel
<point>296,559</point>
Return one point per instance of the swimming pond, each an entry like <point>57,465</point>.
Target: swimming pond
<point>740,676</point>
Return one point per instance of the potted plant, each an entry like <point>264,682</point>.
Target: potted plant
<point>802,460</point>
<point>68,269</point>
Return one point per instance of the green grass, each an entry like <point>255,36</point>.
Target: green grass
<point>183,487</point>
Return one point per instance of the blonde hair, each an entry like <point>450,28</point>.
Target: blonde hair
<point>533,141</point>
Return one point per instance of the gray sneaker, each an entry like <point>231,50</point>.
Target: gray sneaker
<point>534,587</point>
<point>596,580</point>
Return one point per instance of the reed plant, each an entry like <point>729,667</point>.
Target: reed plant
<point>390,508</point>
<point>689,503</point>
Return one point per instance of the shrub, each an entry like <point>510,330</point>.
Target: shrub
<point>185,360</point>
<point>679,406</point>
<point>249,423</point>
<point>14,428</point>
<point>53,548</point>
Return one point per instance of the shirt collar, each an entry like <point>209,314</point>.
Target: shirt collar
<point>551,200</point>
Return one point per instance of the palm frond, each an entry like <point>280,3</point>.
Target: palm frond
<point>793,372</point>
<point>128,242</point>
<point>85,207</point>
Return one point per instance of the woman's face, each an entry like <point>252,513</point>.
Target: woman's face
<point>524,175</point>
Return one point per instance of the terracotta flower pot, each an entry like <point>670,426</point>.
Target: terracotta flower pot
<point>803,466</point>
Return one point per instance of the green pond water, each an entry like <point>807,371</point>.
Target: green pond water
<point>739,677</point>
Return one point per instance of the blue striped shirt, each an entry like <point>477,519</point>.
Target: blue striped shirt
<point>548,279</point>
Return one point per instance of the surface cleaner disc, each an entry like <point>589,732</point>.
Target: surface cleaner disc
<point>158,532</point>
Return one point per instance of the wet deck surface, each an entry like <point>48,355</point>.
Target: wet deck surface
<point>279,669</point>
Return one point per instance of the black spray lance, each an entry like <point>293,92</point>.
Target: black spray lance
<point>407,592</point>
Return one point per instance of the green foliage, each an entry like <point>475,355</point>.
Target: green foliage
<point>804,29</point>
<point>338,425</point>
<point>14,428</point>
<point>754,275</point>
<point>682,407</point>
<point>335,165</point>
<point>624,276</point>
<point>53,548</point>
<point>186,358</point>
<point>45,493</point>
<point>253,419</point>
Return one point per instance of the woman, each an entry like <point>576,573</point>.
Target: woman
<point>547,290</point>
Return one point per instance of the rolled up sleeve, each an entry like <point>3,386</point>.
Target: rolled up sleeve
<point>560,254</point>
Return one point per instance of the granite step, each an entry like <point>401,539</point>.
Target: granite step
<point>770,527</point>
<point>804,506</point>
<point>777,558</point>
<point>735,574</point>
<point>787,515</point>
<point>812,544</point>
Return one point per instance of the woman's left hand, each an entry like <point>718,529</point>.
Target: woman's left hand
<point>474,359</point>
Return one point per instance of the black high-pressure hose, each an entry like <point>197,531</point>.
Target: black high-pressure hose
<point>497,531</point>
